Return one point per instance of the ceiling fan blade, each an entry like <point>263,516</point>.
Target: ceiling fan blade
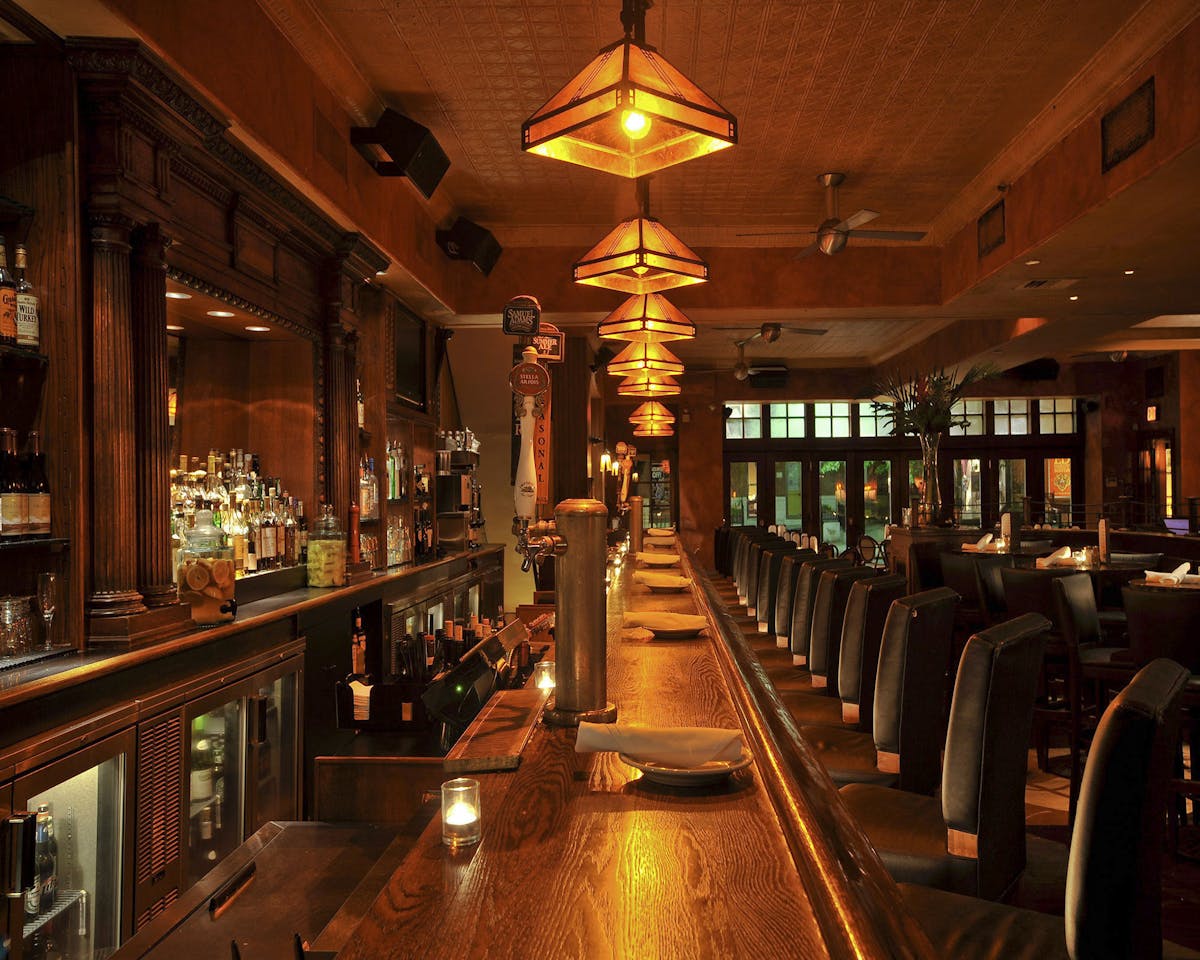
<point>806,252</point>
<point>775,233</point>
<point>856,219</point>
<point>888,234</point>
<point>808,331</point>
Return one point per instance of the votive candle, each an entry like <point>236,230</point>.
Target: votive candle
<point>462,815</point>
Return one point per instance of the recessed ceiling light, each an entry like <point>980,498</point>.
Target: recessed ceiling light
<point>1073,296</point>
<point>1032,263</point>
<point>1129,273</point>
<point>259,329</point>
<point>176,295</point>
<point>220,313</point>
<point>174,327</point>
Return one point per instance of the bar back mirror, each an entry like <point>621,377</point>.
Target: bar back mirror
<point>240,388</point>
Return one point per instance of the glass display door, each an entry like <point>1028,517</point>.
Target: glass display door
<point>76,905</point>
<point>877,498</point>
<point>272,787</point>
<point>213,757</point>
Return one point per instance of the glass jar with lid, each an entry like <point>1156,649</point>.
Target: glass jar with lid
<point>326,551</point>
<point>206,574</point>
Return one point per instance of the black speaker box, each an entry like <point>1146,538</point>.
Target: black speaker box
<point>399,147</point>
<point>469,241</point>
<point>1045,368</point>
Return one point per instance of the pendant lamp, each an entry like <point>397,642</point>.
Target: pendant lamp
<point>648,385</point>
<point>629,112</point>
<point>650,357</point>
<point>651,412</point>
<point>647,318</point>
<point>654,430</point>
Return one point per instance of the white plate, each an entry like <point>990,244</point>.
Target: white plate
<point>661,532</point>
<point>666,587</point>
<point>707,773</point>
<point>679,633</point>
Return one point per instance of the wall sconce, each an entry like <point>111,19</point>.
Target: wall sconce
<point>1152,413</point>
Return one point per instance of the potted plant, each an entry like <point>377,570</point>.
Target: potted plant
<point>922,406</point>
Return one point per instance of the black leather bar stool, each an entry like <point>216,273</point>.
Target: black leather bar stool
<point>754,567</point>
<point>862,631</point>
<point>796,676</point>
<point>768,582</point>
<point>903,750</point>
<point>829,614</point>
<point>789,570</point>
<point>1114,882</point>
<point>972,840</point>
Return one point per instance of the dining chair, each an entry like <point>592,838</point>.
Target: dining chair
<point>792,673</point>
<point>869,551</point>
<point>903,747</point>
<point>1149,561</point>
<point>1113,902</point>
<point>972,839</point>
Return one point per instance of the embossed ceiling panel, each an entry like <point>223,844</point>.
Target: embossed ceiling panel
<point>910,99</point>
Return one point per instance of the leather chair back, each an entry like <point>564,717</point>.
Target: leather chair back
<point>1032,591</point>
<point>1163,623</point>
<point>768,581</point>
<point>1035,546</point>
<point>753,566</point>
<point>1114,883</point>
<point>1075,612</point>
<point>742,554</point>
<point>987,742</point>
<point>989,567</point>
<point>862,631</point>
<point>910,687</point>
<point>960,572</point>
<point>789,570</point>
<point>721,538</point>
<point>802,604</point>
<point>829,614</point>
<point>1148,561</point>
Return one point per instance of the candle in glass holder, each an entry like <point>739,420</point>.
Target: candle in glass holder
<point>461,813</point>
<point>543,675</point>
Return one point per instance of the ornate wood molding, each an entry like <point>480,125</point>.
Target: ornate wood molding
<point>253,309</point>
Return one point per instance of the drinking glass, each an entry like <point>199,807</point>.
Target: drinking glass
<point>47,592</point>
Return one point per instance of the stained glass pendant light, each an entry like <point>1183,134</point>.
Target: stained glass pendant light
<point>651,412</point>
<point>629,112</point>
<point>647,318</point>
<point>647,385</point>
<point>640,256</point>
<point>650,357</point>
<point>654,430</point>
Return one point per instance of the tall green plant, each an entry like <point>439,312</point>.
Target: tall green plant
<point>922,405</point>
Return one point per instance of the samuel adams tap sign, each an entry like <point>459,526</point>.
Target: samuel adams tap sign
<point>522,316</point>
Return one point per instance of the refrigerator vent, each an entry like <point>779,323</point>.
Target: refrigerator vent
<point>159,778</point>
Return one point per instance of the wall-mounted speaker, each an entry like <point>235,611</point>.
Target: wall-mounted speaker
<point>1045,368</point>
<point>399,147</point>
<point>469,241</point>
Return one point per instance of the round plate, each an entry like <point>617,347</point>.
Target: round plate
<point>660,532</point>
<point>666,588</point>
<point>681,633</point>
<point>707,773</point>
<point>666,560</point>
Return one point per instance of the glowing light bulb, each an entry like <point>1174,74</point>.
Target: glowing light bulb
<point>635,124</point>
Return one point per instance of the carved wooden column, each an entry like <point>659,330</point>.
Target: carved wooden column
<point>149,308</point>
<point>114,590</point>
<point>341,441</point>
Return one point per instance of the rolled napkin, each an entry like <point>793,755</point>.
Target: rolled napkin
<point>1102,539</point>
<point>1192,579</point>
<point>656,559</point>
<point>662,620</point>
<point>1054,560</point>
<point>1175,577</point>
<point>660,532</point>
<point>681,747</point>
<point>984,540</point>
<point>653,579</point>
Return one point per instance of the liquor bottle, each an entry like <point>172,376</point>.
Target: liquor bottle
<point>37,488</point>
<point>290,530</point>
<point>266,556</point>
<point>358,646</point>
<point>33,893</point>
<point>29,327</point>
<point>362,407</point>
<point>46,859</point>
<point>251,557</point>
<point>372,490</point>
<point>301,534</point>
<point>8,300</point>
<point>14,501</point>
<point>202,763</point>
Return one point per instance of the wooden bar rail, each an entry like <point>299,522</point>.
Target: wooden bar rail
<point>857,904</point>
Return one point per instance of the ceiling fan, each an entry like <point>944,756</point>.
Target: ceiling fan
<point>833,232</point>
<point>768,333</point>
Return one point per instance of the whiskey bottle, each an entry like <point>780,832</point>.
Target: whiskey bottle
<point>14,500</point>
<point>37,488</point>
<point>8,301</point>
<point>29,327</point>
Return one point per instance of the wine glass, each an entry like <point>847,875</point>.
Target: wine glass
<point>47,592</point>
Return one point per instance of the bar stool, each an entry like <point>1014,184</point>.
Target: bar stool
<point>789,570</point>
<point>1114,881</point>
<point>972,840</point>
<point>903,748</point>
<point>796,677</point>
<point>862,631</point>
<point>829,613</point>
<point>768,581</point>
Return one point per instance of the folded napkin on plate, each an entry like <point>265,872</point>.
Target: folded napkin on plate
<point>1192,578</point>
<point>682,747</point>
<point>660,543</point>
<point>658,559</point>
<point>1055,559</point>
<point>662,620</point>
<point>652,579</point>
<point>1175,577</point>
<point>660,532</point>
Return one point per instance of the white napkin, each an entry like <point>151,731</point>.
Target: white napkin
<point>1062,553</point>
<point>655,559</point>
<point>984,540</point>
<point>362,700</point>
<point>652,578</point>
<point>663,543</point>
<point>1192,578</point>
<point>662,620</point>
<point>1175,577</point>
<point>660,532</point>
<point>1006,527</point>
<point>1102,538</point>
<point>683,747</point>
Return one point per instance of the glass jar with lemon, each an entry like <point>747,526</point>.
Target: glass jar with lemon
<point>206,573</point>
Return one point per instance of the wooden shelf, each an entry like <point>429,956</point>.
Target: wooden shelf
<point>31,544</point>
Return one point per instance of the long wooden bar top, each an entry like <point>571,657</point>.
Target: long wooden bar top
<point>580,857</point>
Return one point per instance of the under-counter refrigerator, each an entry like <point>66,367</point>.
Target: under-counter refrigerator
<point>65,855</point>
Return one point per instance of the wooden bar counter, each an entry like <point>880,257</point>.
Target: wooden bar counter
<point>580,857</point>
